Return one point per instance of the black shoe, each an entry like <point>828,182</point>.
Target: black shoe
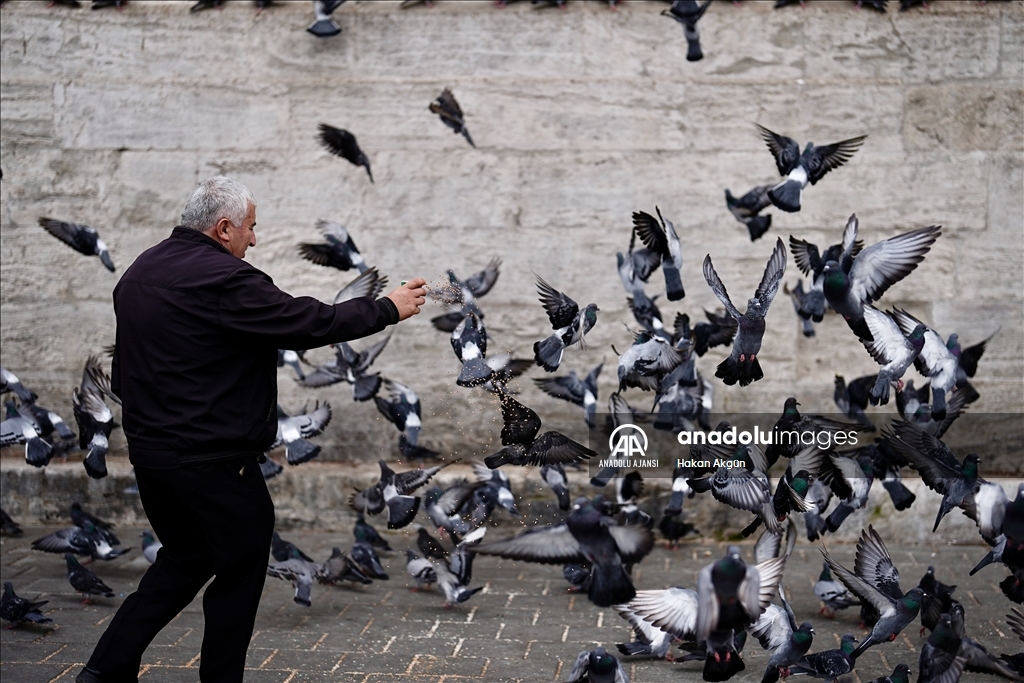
<point>92,676</point>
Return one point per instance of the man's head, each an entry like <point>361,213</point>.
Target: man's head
<point>224,210</point>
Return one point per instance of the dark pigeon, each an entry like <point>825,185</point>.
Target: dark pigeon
<point>17,610</point>
<point>688,13</point>
<point>85,581</point>
<point>324,26</point>
<point>448,109</point>
<point>342,143</point>
<point>659,235</point>
<point>523,445</point>
<point>597,666</point>
<point>337,250</point>
<point>81,238</point>
<point>747,208</point>
<point>567,320</point>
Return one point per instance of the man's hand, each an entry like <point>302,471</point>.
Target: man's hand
<point>409,297</point>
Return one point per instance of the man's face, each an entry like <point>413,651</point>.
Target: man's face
<point>243,236</point>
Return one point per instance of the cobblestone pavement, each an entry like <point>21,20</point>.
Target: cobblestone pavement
<point>522,627</point>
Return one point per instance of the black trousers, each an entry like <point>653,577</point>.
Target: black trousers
<point>215,520</point>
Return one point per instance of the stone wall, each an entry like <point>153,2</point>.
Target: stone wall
<point>580,116</point>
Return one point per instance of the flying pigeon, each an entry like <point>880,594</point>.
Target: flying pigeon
<point>597,666</point>
<point>747,208</point>
<point>338,250</point>
<point>820,494</point>
<point>350,366</point>
<point>81,238</point>
<point>293,430</point>
<point>588,535</point>
<point>936,361</point>
<point>859,277</point>
<point>876,580</point>
<point>206,4</point>
<point>582,392</point>
<point>496,483</point>
<point>660,237</point>
<point>811,263</point>
<point>10,382</point>
<point>456,571</point>
<point>742,365</point>
<point>687,13</point>
<point>17,610</point>
<point>778,633</point>
<point>460,295</point>
<point>16,428</point>
<point>853,398</point>
<point>47,421</point>
<point>87,540</point>
<point>301,572</point>
<point>647,361</point>
<point>343,144</point>
<point>392,492</point>
<point>150,546</point>
<point>833,594</point>
<point>401,408</point>
<point>554,478</point>
<point>469,341</point>
<point>448,109</point>
<point>569,322</point>
<point>938,600</point>
<point>800,299</point>
<point>420,569</point>
<point>95,421</point>
<point>717,331</point>
<point>1016,621</point>
<point>324,27</point>
<point>522,445</point>
<point>892,350</point>
<point>85,581</point>
<point>802,168</point>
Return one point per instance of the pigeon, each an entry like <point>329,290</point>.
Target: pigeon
<point>650,639</point>
<point>206,4</point>
<point>17,610</point>
<point>1009,542</point>
<point>901,674</point>
<point>680,490</point>
<point>300,571</point>
<point>936,361</point>
<point>429,546</point>
<point>337,250</point>
<point>364,533</point>
<point>460,295</point>
<point>292,431</point>
<point>636,267</point>
<point>8,526</point>
<point>570,324</point>
<point>799,298</point>
<point>938,600</point>
<point>802,168</point>
<point>10,382</point>
<point>79,517</point>
<point>582,392</point>
<point>912,405</point>
<point>343,144</point>
<point>469,341</point>
<point>853,398</point>
<point>554,477</point>
<point>455,572</point>
<point>401,408</point>
<point>281,550</point>
<point>522,445</point>
<point>504,368</point>
<point>392,491</point>
<point>660,237</point>
<point>367,561</point>
<point>368,283</point>
<point>269,468</point>
<point>290,357</point>
<point>1016,621</point>
<point>422,570</point>
<point>340,567</point>
<point>647,361</point>
<point>892,350</point>
<point>350,366</point>
<point>795,431</point>
<point>47,421</point>
<point>820,494</point>
<point>81,238</point>
<point>324,27</point>
<point>86,540</point>
<point>597,666</point>
<point>150,546</point>
<point>85,581</point>
<point>588,535</point>
<point>742,365</point>
<point>828,664</point>
<point>496,482</point>
<point>778,633</point>
<point>746,210</point>
<point>859,277</point>
<point>687,13</point>
<point>833,594</point>
<point>876,580</point>
<point>16,428</point>
<point>95,421</point>
<point>448,109</point>
<point>719,330</point>
<point>744,488</point>
<point>578,576</point>
<point>941,661</point>
<point>812,264</point>
<point>646,312</point>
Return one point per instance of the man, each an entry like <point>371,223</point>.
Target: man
<point>195,366</point>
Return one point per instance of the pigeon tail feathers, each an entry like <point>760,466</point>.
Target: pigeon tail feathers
<point>786,195</point>
<point>548,353</point>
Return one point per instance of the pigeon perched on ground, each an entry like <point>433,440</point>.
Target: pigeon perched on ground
<point>350,366</point>
<point>87,540</point>
<point>687,13</point>
<point>810,166</point>
<point>338,250</point>
<point>17,610</point>
<point>588,535</point>
<point>343,144</point>
<point>300,571</point>
<point>16,428</point>
<point>833,594</point>
<point>340,567</point>
<point>10,382</point>
<point>81,238</point>
<point>448,109</point>
<point>150,546</point>
<point>324,27</point>
<point>523,446</point>
<point>292,431</point>
<point>597,666</point>
<point>367,561</point>
<point>582,392</point>
<point>569,322</point>
<point>364,533</point>
<point>460,295</point>
<point>8,526</point>
<point>660,237</point>
<point>391,492</point>
<point>828,664</point>
<point>420,569</point>
<point>892,350</point>
<point>281,549</point>
<point>859,277</point>
<point>746,210</point>
<point>95,421</point>
<point>742,365</point>
<point>876,580</point>
<point>85,581</point>
<point>778,633</point>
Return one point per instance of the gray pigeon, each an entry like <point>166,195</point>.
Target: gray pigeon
<point>569,323</point>
<point>292,432</point>
<point>421,570</point>
<point>368,283</point>
<point>802,168</point>
<point>342,143</point>
<point>366,561</point>
<point>582,392</point>
<point>85,581</point>
<point>892,350</point>
<point>81,238</point>
<point>597,666</point>
<point>742,365</point>
<point>350,366</point>
<point>522,444</point>
<point>660,237</point>
<point>392,492</point>
<point>95,421</point>
<point>456,571</point>
<point>687,13</point>
<point>150,546</point>
<point>833,594</point>
<point>86,540</point>
<point>746,209</point>
<point>324,26</point>
<point>800,300</point>
<point>17,610</point>
<point>337,251</point>
<point>658,616</point>
<point>460,295</point>
<point>778,633</point>
<point>301,572</point>
<point>647,361</point>
<point>859,277</point>
<point>16,428</point>
<point>10,382</point>
<point>448,109</point>
<point>979,660</point>
<point>340,567</point>
<point>554,477</point>
<point>936,361</point>
<point>469,341</point>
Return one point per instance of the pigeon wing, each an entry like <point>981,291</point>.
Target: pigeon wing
<point>480,283</point>
<point>707,604</point>
<point>888,343</point>
<point>882,265</point>
<point>651,233</point>
<point>560,308</point>
<point>521,424</point>
<point>369,283</point>
<point>546,545</point>
<point>718,287</point>
<point>858,586</point>
<point>821,160</point>
<point>806,256</point>
<point>785,150</point>
<point>773,272</point>
<point>772,628</point>
<point>873,564</point>
<point>633,541</point>
<point>552,448</point>
<point>81,238</point>
<point>671,609</point>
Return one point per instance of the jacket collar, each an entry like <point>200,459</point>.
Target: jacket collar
<point>180,232</point>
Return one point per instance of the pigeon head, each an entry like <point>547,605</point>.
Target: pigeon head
<point>953,344</point>
<point>848,643</point>
<point>901,674</point>
<point>835,278</point>
<point>601,661</point>
<point>411,555</point>
<point>754,305</point>
<point>8,587</point>
<point>912,600</point>
<point>12,411</point>
<point>944,635</point>
<point>71,560</point>
<point>590,314</point>
<point>825,575</point>
<point>148,538</point>
<point>804,634</point>
<point>916,337</point>
<point>801,482</point>
<point>790,408</point>
<point>970,466</point>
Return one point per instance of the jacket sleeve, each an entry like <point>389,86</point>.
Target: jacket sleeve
<point>252,305</point>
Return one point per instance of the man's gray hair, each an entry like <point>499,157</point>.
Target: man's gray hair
<point>216,198</point>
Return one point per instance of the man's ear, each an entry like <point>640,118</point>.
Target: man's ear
<point>222,230</point>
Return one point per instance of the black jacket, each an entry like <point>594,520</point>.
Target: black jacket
<point>195,359</point>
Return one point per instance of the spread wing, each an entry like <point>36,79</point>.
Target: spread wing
<point>521,424</point>
<point>560,308</point>
<point>718,287</point>
<point>806,256</point>
<point>546,545</point>
<point>671,609</point>
<point>772,628</point>
<point>873,564</point>
<point>480,283</point>
<point>785,150</point>
<point>633,541</point>
<point>858,586</point>
<point>553,448</point>
<point>369,283</point>
<point>824,159</point>
<point>882,265</point>
<point>651,233</point>
<point>773,272</point>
